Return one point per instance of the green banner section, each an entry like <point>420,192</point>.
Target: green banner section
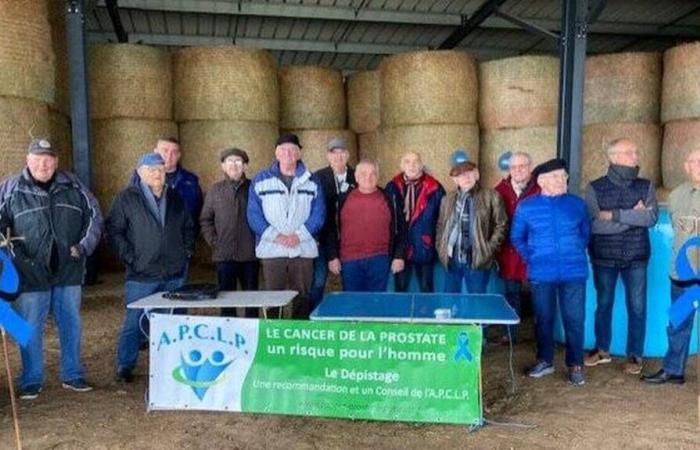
<point>377,371</point>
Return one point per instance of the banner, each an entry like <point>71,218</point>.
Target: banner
<point>357,370</point>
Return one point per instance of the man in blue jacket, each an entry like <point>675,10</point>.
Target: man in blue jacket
<point>551,231</point>
<point>417,196</point>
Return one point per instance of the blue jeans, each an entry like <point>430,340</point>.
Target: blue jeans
<point>572,303</point>
<point>366,274</point>
<point>34,307</point>
<point>424,274</point>
<point>476,279</point>
<point>513,295</point>
<point>678,340</point>
<point>634,279</point>
<point>318,285</point>
<point>130,337</point>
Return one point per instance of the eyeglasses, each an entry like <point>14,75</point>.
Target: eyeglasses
<point>235,161</point>
<point>561,176</point>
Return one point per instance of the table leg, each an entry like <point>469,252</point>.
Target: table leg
<point>264,311</point>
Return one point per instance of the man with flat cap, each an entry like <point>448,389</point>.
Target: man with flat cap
<point>225,227</point>
<point>58,223</point>
<point>286,211</point>
<point>152,233</point>
<point>336,180</point>
<point>551,232</point>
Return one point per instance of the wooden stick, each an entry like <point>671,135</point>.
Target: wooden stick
<point>12,389</point>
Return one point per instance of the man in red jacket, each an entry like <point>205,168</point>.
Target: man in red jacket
<point>517,186</point>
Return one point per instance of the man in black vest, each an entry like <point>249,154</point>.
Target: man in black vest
<point>623,207</point>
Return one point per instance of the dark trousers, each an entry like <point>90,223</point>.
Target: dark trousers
<point>230,275</point>
<point>290,273</point>
<point>514,297</point>
<point>424,274</point>
<point>678,339</point>
<point>572,303</point>
<point>366,274</point>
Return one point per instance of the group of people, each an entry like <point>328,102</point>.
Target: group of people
<point>296,227</point>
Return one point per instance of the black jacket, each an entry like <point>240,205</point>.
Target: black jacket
<point>150,251</point>
<point>331,195</point>
<point>51,222</point>
<point>398,231</point>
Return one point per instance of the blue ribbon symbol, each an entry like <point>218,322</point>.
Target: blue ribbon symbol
<point>687,303</point>
<point>504,160</point>
<point>463,347</point>
<point>15,326</point>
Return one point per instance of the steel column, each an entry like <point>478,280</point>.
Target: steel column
<point>572,51</point>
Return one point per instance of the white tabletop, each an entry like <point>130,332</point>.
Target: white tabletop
<point>225,299</point>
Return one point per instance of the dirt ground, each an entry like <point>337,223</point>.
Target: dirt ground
<point>612,410</point>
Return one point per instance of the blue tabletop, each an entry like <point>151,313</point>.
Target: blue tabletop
<point>415,307</point>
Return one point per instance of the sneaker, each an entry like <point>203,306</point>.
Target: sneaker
<point>597,357</point>
<point>576,376</point>
<point>30,392</point>
<point>633,366</point>
<point>540,369</point>
<point>124,376</point>
<point>77,385</point>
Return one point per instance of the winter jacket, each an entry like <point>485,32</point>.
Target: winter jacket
<point>551,235</point>
<point>397,229</point>
<point>149,250</point>
<point>51,222</point>
<point>510,265</point>
<point>326,177</point>
<point>420,245</point>
<point>489,226</point>
<point>273,210</point>
<point>224,221</point>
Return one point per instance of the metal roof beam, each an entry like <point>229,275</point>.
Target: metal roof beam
<point>177,40</point>
<point>528,26</point>
<point>471,24</point>
<point>113,11</point>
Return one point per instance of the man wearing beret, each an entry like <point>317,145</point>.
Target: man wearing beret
<point>551,232</point>
<point>225,227</point>
<point>58,224</point>
<point>286,211</point>
<point>152,232</point>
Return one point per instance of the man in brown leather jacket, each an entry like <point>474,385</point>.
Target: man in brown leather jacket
<point>471,227</point>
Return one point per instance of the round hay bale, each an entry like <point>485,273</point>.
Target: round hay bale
<point>60,135</point>
<point>596,138</point>
<point>430,87</point>
<point>129,81</point>
<point>680,97</point>
<point>539,142</point>
<point>435,144</point>
<point>203,140</point>
<point>57,23</point>
<point>662,195</point>
<point>363,101</point>
<point>21,119</point>
<point>311,97</point>
<point>315,143</point>
<point>622,88</point>
<point>116,147</point>
<point>679,139</point>
<point>225,83</point>
<point>519,92</point>
<point>367,144</point>
<point>26,56</point>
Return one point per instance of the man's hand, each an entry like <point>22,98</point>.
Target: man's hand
<point>288,240</point>
<point>397,265</point>
<point>639,205</point>
<point>605,215</point>
<point>76,251</point>
<point>334,266</point>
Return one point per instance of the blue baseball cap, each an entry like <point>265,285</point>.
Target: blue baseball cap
<point>151,159</point>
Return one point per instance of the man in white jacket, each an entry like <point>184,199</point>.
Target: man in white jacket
<point>285,211</point>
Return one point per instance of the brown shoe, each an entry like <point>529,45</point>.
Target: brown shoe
<point>634,366</point>
<point>596,357</point>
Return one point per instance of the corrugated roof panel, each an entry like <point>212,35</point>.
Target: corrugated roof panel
<point>222,26</point>
<point>268,28</point>
<point>173,23</point>
<point>205,24</point>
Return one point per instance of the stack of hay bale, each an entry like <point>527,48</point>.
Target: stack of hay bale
<point>130,107</point>
<point>26,79</point>
<point>621,99</point>
<point>428,105</point>
<point>59,110</point>
<point>517,111</point>
<point>312,106</point>
<point>363,111</point>
<point>680,110</point>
